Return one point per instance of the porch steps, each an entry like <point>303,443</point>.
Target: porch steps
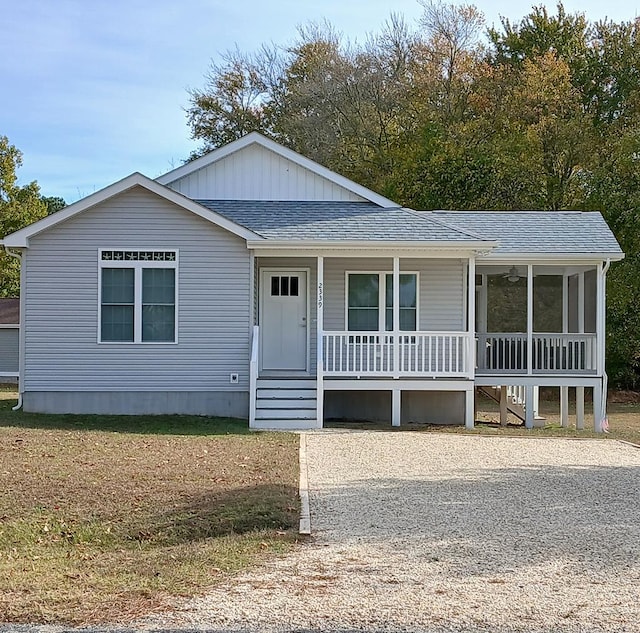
<point>286,403</point>
<point>513,406</point>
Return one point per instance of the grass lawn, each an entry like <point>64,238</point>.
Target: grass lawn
<point>106,518</point>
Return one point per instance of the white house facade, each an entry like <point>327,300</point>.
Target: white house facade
<point>255,283</point>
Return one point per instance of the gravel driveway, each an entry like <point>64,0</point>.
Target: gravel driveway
<point>438,532</point>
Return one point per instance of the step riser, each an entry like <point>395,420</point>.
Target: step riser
<point>276,383</point>
<point>286,404</point>
<point>289,394</point>
<point>285,414</point>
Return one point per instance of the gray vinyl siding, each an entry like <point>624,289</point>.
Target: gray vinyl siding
<point>9,350</point>
<point>441,292</point>
<point>61,303</point>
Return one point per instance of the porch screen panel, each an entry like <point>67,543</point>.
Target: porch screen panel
<point>408,303</point>
<point>363,302</point>
<point>117,310</point>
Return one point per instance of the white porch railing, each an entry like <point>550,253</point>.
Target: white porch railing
<point>412,354</point>
<point>551,353</point>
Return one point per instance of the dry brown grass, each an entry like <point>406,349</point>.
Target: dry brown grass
<point>99,526</point>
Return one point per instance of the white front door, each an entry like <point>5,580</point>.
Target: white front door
<point>283,320</point>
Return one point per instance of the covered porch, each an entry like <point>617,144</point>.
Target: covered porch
<point>377,321</point>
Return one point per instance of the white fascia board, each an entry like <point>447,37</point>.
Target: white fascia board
<point>299,159</point>
<point>555,258</point>
<point>20,239</point>
<point>483,246</point>
<point>358,249</point>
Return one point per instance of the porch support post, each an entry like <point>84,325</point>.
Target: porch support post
<point>565,304</point>
<point>597,407</point>
<point>528,408</point>
<point>581,303</point>
<point>469,408</point>
<point>579,408</point>
<point>529,397</point>
<point>504,411</point>
<point>564,406</point>
<point>471,317</point>
<point>396,318</point>
<point>319,345</point>
<point>396,397</point>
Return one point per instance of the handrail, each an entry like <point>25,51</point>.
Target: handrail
<point>253,374</point>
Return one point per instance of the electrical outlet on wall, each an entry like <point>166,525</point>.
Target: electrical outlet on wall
<point>233,379</point>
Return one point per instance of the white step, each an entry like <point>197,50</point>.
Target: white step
<point>290,394</point>
<point>286,383</point>
<point>283,403</point>
<point>286,414</point>
<point>286,425</point>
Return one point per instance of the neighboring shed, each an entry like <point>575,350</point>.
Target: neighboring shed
<point>9,337</point>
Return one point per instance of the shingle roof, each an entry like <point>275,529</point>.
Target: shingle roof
<point>571,232</point>
<point>9,311</point>
<point>336,221</point>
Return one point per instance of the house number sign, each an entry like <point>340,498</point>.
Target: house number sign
<point>320,295</point>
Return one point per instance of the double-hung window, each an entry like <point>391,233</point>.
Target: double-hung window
<point>138,298</point>
<point>367,292</point>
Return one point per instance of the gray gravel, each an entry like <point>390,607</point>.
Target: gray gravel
<point>436,532</point>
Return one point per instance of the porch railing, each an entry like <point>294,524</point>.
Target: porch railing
<point>406,354</point>
<point>551,353</point>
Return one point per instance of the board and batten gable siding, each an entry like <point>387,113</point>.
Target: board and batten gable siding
<point>9,350</point>
<point>61,303</point>
<point>257,173</point>
<point>441,291</point>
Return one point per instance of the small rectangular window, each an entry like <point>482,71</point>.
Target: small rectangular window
<point>275,286</point>
<point>293,286</point>
<point>284,286</point>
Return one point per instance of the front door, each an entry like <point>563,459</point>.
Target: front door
<point>283,320</point>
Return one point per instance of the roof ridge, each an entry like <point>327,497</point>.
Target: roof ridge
<point>448,226</point>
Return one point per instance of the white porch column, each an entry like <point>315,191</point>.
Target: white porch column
<point>597,408</point>
<point>504,411</point>
<point>471,317</point>
<point>319,344</point>
<point>564,406</point>
<point>528,412</point>
<point>529,397</point>
<point>580,390</point>
<point>396,317</point>
<point>469,413</point>
<point>600,328</point>
<point>396,397</point>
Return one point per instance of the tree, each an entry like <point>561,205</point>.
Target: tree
<point>53,203</point>
<point>19,206</point>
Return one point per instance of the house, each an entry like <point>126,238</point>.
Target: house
<point>9,338</point>
<point>253,282</point>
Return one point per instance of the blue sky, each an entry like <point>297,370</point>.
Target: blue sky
<point>94,90</point>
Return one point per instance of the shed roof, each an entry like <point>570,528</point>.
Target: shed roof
<point>337,221</point>
<point>9,311</point>
<point>524,232</point>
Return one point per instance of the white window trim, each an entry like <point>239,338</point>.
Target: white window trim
<point>137,309</point>
<point>381,297</point>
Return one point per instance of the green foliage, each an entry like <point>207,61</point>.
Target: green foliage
<point>19,206</point>
<point>54,203</point>
<point>542,113</point>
